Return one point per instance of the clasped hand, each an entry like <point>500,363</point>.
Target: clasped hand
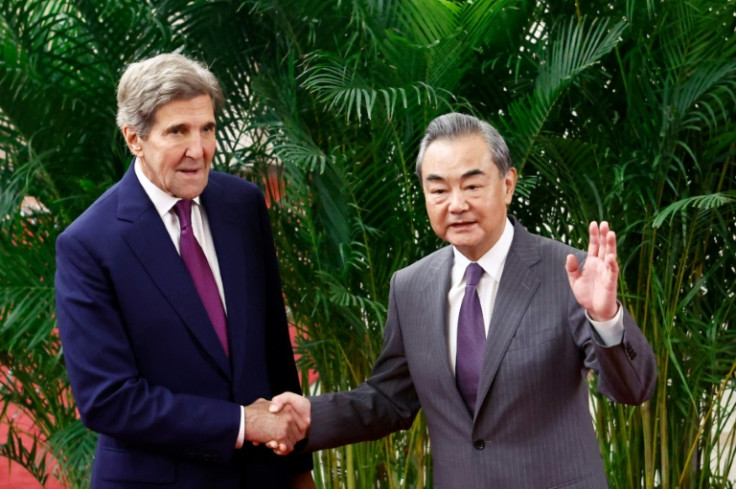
<point>279,424</point>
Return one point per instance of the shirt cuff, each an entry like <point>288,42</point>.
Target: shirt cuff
<point>241,432</point>
<point>611,332</point>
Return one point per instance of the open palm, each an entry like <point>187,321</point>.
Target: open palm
<point>595,285</point>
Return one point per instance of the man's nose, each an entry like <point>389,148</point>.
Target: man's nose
<point>458,203</point>
<point>195,146</point>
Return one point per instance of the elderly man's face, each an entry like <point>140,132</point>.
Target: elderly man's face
<point>465,193</point>
<point>177,154</point>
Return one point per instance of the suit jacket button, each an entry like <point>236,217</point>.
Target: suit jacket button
<point>479,444</point>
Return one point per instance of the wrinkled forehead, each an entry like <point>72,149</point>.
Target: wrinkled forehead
<point>458,156</point>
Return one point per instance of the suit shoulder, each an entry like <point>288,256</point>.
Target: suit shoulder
<point>526,242</point>
<point>99,211</point>
<point>425,267</point>
<point>556,247</point>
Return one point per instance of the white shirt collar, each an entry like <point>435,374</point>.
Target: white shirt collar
<point>492,261</point>
<point>162,201</point>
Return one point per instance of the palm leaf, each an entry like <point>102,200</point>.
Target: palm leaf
<point>702,202</point>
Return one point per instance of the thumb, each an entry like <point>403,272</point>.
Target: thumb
<point>277,404</point>
<point>572,267</point>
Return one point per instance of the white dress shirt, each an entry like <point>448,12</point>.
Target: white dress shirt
<point>611,331</point>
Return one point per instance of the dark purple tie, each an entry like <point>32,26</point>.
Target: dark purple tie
<point>471,338</point>
<point>204,280</point>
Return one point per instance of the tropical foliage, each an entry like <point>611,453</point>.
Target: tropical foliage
<point>622,110</point>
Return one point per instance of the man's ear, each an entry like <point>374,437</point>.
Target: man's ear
<point>510,184</point>
<point>132,139</point>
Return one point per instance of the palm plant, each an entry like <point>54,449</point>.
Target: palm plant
<point>38,83</point>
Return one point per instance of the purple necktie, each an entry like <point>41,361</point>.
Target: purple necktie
<point>471,338</point>
<point>204,280</point>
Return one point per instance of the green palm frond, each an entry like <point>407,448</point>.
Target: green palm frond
<point>427,21</point>
<point>701,202</point>
<point>476,17</point>
<point>16,449</point>
<point>706,96</point>
<point>347,92</point>
<point>306,157</point>
<point>74,446</point>
<point>574,48</point>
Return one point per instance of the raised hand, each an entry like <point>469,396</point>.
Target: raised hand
<point>281,430</point>
<point>595,286</point>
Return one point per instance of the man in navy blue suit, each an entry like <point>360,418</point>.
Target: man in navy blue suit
<point>171,362</point>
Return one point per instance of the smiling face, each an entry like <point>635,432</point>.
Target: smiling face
<point>465,194</point>
<point>177,154</point>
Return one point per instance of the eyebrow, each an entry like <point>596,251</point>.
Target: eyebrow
<point>184,125</point>
<point>470,173</point>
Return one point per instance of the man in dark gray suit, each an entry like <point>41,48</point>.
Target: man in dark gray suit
<point>509,411</point>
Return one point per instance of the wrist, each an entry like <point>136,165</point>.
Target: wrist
<point>604,316</point>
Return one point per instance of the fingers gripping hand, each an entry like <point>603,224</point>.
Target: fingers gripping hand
<point>279,430</point>
<point>595,285</point>
<point>300,406</point>
<point>299,403</point>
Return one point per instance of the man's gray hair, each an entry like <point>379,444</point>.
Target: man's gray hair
<point>149,84</point>
<point>454,125</point>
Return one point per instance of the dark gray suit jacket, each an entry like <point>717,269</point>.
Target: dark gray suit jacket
<point>532,427</point>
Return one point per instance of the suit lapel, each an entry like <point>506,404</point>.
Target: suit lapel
<point>518,285</point>
<point>439,280</point>
<point>432,300</point>
<point>231,255</point>
<point>151,243</point>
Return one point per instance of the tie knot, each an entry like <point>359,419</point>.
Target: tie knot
<point>472,274</point>
<point>183,210</point>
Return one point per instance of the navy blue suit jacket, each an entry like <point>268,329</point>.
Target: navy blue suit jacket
<point>145,365</point>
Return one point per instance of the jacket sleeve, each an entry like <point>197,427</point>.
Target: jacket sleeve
<point>627,372</point>
<point>385,403</point>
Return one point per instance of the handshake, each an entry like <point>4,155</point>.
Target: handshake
<point>279,424</point>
